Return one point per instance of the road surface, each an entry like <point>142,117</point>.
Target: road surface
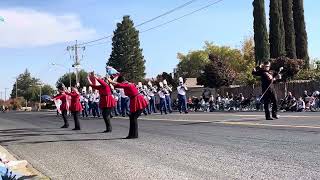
<point>193,146</point>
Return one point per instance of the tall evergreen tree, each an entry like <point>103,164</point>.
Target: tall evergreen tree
<point>27,86</point>
<point>126,55</point>
<point>300,31</point>
<point>277,34</point>
<point>262,49</point>
<point>289,29</point>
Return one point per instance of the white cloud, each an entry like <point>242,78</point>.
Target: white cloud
<point>30,28</point>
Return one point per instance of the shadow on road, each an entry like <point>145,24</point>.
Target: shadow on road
<point>70,140</point>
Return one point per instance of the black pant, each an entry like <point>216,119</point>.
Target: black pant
<point>65,117</point>
<point>76,119</point>
<point>270,98</point>
<point>133,131</point>
<point>106,112</point>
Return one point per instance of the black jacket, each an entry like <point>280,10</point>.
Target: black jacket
<point>266,78</point>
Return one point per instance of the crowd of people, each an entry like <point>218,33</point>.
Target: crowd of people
<point>114,96</point>
<point>157,96</point>
<point>230,102</point>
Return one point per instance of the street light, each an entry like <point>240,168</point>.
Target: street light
<point>60,65</point>
<point>40,85</point>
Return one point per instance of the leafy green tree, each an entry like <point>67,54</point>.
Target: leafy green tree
<point>26,86</point>
<point>262,48</point>
<point>290,67</point>
<point>126,55</point>
<point>246,64</point>
<point>47,90</point>
<point>191,64</point>
<point>65,79</point>
<point>217,73</point>
<point>166,76</point>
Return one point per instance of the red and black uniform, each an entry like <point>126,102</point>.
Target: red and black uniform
<point>137,105</point>
<point>107,102</point>
<point>63,107</point>
<point>75,108</point>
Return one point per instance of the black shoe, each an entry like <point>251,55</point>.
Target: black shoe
<point>107,131</point>
<point>131,137</point>
<point>65,126</point>
<point>269,119</point>
<point>275,117</point>
<point>76,129</point>
<point>186,112</point>
<point>123,115</point>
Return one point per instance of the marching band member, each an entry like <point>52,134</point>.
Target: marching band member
<point>152,102</point>
<point>63,97</point>
<point>137,103</point>
<point>168,90</point>
<point>75,106</point>
<point>107,102</point>
<point>90,101</point>
<point>84,102</point>
<point>182,88</point>
<point>162,97</point>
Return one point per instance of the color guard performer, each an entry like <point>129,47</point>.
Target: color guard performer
<point>137,103</point>
<point>75,106</point>
<point>62,96</point>
<point>107,102</point>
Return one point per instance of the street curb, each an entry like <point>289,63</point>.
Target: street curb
<point>29,170</point>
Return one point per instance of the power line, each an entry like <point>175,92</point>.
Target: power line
<point>176,19</point>
<point>168,22</point>
<point>145,22</point>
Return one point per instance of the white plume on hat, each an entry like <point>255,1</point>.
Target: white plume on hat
<point>84,89</point>
<point>160,84</point>
<point>90,88</point>
<point>165,82</point>
<point>150,83</point>
<point>145,87</point>
<point>316,93</point>
<point>140,84</point>
<point>180,80</point>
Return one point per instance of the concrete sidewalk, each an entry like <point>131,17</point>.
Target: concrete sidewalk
<point>27,172</point>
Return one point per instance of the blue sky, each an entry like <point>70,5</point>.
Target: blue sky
<point>36,32</point>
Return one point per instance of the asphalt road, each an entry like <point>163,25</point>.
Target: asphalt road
<point>193,146</point>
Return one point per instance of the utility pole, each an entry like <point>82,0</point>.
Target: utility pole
<point>76,58</point>
<point>70,77</point>
<point>40,97</point>
<point>16,88</point>
<point>76,62</point>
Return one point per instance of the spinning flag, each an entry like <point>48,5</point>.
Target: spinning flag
<point>112,72</point>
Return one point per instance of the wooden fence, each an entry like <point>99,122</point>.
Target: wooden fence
<point>296,87</point>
